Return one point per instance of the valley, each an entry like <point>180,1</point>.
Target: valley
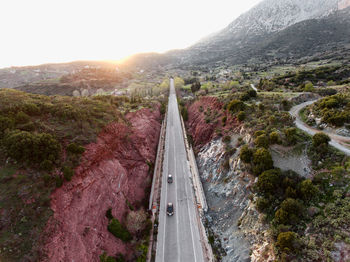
<point>253,160</point>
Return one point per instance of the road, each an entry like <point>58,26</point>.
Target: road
<point>337,141</point>
<point>178,236</point>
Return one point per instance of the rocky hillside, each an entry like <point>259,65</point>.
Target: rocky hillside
<point>274,31</point>
<point>113,174</point>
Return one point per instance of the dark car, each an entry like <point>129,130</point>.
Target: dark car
<point>170,178</point>
<point>170,209</point>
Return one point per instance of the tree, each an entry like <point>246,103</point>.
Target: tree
<point>118,230</point>
<point>195,86</point>
<point>290,134</point>
<point>262,141</point>
<point>262,161</point>
<point>319,139</point>
<point>308,190</point>
<point>274,138</point>
<point>235,106</point>
<point>178,82</point>
<point>241,116</point>
<point>286,241</point>
<point>268,181</point>
<point>309,87</point>
<point>246,154</point>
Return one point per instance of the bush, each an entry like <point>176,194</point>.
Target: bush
<point>259,133</point>
<point>320,138</point>
<point>262,141</point>
<point>118,230</point>
<point>241,116</point>
<point>31,148</point>
<point>5,124</point>
<point>308,190</point>
<point>22,118</point>
<point>262,204</point>
<point>224,119</point>
<point>268,181</point>
<point>46,165</point>
<point>105,258</point>
<point>109,214</point>
<point>286,241</point>
<point>184,113</point>
<point>236,106</point>
<point>309,87</point>
<point>246,154</point>
<point>274,138</point>
<point>290,212</point>
<point>75,149</point>
<point>290,134</point>
<point>68,173</point>
<point>262,161</point>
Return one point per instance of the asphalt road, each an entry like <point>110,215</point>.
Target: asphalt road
<point>337,141</point>
<point>178,236</point>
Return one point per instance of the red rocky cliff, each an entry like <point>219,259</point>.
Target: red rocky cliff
<point>202,130</point>
<point>113,171</point>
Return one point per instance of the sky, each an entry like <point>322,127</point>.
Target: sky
<point>46,31</point>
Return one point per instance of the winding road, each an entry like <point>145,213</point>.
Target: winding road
<point>178,235</point>
<point>340,142</point>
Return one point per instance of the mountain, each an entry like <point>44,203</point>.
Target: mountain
<point>272,30</point>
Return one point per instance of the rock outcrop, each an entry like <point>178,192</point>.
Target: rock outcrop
<point>113,174</point>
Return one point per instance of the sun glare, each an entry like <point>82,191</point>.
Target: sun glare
<point>44,31</point>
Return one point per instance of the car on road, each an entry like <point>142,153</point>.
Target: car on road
<point>170,209</point>
<point>170,178</point>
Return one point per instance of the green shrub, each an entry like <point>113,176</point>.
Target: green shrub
<point>290,212</point>
<point>262,161</point>
<point>246,154</point>
<point>46,165</point>
<point>224,119</point>
<point>290,134</point>
<point>241,116</point>
<point>109,214</point>
<point>320,138</point>
<point>75,149</point>
<point>5,124</point>
<point>262,141</point>
<point>259,133</point>
<point>68,173</point>
<point>118,230</point>
<point>308,190</point>
<point>274,138</point>
<point>262,204</point>
<point>309,87</point>
<point>59,181</point>
<point>22,118</point>
<point>31,148</point>
<point>184,113</point>
<point>268,181</point>
<point>236,106</point>
<point>286,241</point>
<point>105,258</point>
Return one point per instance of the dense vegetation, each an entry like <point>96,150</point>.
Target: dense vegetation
<point>41,141</point>
<point>305,80</point>
<point>333,110</point>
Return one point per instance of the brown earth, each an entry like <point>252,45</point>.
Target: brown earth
<point>203,132</point>
<point>113,170</point>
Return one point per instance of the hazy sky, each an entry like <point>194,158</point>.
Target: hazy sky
<point>42,31</point>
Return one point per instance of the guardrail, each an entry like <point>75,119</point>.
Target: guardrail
<point>199,196</point>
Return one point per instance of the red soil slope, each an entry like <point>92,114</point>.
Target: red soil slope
<point>203,132</point>
<point>112,170</point>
